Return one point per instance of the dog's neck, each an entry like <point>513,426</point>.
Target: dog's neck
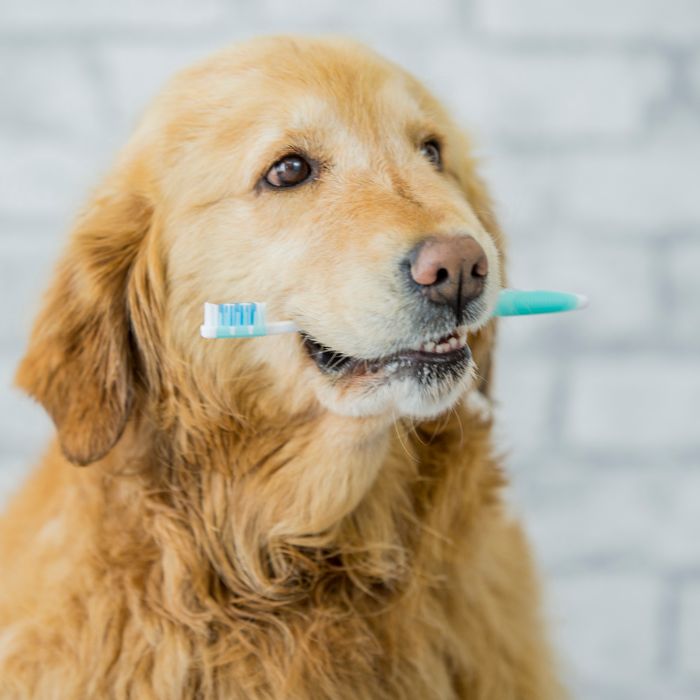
<point>274,511</point>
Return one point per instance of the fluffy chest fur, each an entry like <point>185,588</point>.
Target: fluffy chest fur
<point>164,589</point>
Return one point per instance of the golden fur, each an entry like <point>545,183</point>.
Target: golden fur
<point>247,529</point>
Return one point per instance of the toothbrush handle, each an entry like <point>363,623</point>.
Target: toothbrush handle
<point>276,327</point>
<point>514,302</point>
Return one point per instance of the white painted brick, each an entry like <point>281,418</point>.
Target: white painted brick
<point>27,259</point>
<point>649,19</point>
<point>47,178</point>
<point>519,94</point>
<point>605,624</point>
<point>630,190</point>
<point>522,388</point>
<point>689,635</point>
<point>136,73</point>
<point>526,188</point>
<point>684,277</point>
<point>47,90</point>
<point>634,515</point>
<point>650,187</point>
<point>694,83</point>
<point>635,403</point>
<point>105,14</point>
<point>617,276</point>
<point>24,425</point>
<point>318,15</point>
<point>661,686</point>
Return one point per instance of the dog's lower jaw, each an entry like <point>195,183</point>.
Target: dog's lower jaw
<point>416,383</point>
<point>394,398</point>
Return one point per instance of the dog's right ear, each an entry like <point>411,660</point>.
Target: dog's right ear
<point>477,194</point>
<point>80,362</point>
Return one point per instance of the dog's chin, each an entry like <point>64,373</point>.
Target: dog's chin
<point>420,382</point>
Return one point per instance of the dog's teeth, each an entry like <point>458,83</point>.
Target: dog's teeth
<point>458,339</point>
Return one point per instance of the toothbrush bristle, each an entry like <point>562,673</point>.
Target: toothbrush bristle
<point>238,320</point>
<point>239,314</point>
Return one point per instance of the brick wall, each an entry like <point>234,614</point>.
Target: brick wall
<point>587,115</point>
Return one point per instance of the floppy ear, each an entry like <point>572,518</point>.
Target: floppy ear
<point>79,364</point>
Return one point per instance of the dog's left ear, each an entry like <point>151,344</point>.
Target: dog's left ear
<point>80,361</point>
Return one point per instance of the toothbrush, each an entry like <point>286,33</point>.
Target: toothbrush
<point>517,302</point>
<point>248,320</point>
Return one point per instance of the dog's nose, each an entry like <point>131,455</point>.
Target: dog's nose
<point>449,270</point>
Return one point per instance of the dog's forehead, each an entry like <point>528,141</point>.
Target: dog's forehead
<point>344,105</point>
<point>349,121</point>
<point>386,106</point>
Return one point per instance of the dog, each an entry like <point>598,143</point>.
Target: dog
<point>310,515</point>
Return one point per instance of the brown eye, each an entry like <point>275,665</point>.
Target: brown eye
<point>431,150</point>
<point>288,171</point>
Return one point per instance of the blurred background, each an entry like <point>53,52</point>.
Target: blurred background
<point>587,118</point>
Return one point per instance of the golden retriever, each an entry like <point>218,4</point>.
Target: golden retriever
<point>310,515</point>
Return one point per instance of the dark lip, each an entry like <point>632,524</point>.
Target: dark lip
<point>336,363</point>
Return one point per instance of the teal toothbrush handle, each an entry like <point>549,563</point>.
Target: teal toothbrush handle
<point>515,302</point>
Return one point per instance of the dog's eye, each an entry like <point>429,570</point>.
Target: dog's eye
<point>431,150</point>
<point>288,171</point>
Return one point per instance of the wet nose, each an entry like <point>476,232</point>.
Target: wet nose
<point>449,270</point>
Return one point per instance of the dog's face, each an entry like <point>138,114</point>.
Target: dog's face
<point>308,174</point>
<point>330,185</point>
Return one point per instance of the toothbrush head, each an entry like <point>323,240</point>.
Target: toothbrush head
<point>242,320</point>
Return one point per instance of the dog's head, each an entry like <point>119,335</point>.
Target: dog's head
<point>309,174</point>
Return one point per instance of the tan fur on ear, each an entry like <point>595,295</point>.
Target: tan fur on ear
<point>79,365</point>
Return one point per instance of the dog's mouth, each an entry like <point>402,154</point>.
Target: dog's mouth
<point>435,358</point>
